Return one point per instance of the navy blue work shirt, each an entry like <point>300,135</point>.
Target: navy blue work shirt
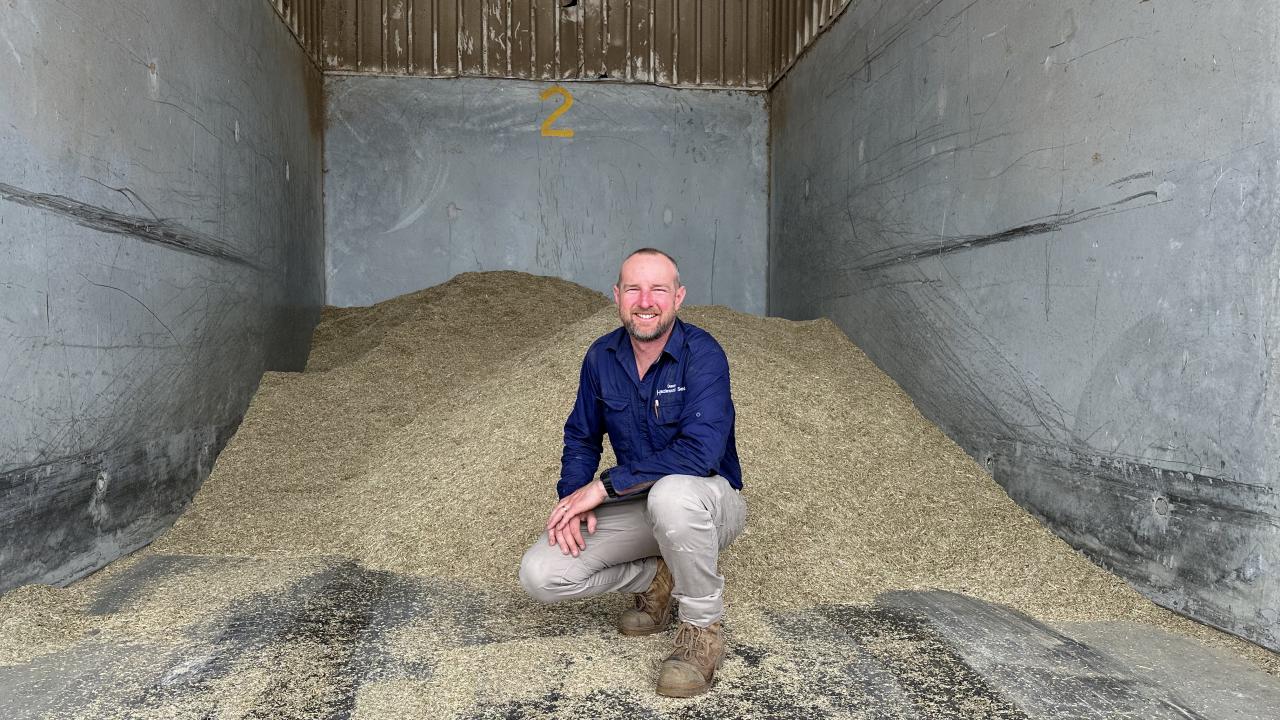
<point>678,420</point>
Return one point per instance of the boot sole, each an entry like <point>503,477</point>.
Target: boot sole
<point>683,692</point>
<point>643,632</point>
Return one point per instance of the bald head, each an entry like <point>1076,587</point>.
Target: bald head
<point>651,252</point>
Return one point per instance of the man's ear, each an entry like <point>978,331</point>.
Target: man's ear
<point>679,296</point>
<point>615,295</point>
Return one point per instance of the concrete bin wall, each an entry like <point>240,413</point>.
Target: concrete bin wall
<point>429,178</point>
<point>1052,224</point>
<point>160,245</point>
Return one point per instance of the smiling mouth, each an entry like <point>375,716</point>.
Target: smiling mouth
<point>646,316</point>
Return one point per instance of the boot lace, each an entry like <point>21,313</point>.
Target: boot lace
<point>692,644</point>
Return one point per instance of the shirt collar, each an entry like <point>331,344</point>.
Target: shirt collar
<point>674,348</point>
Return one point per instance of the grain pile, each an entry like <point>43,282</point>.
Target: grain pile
<point>424,440</point>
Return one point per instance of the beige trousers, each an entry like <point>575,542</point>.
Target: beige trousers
<point>687,520</point>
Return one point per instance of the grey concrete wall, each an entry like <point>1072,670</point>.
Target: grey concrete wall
<point>1054,225</point>
<point>429,178</point>
<point>160,244</point>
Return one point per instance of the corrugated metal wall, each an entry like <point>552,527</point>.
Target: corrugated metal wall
<point>305,19</point>
<point>796,24</point>
<point>710,43</point>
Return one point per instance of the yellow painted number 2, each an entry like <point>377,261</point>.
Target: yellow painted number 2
<point>547,130</point>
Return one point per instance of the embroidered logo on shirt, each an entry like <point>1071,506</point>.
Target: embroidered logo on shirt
<point>670,389</point>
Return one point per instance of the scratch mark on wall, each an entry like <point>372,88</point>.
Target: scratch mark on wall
<point>861,66</point>
<point>189,115</point>
<point>134,298</point>
<point>1050,224</point>
<point>347,124</point>
<point>1104,47</point>
<point>437,184</point>
<point>1127,178</point>
<point>156,231</point>
<point>1213,194</point>
<point>12,50</point>
<point>1048,241</point>
<point>127,193</point>
<point>715,240</point>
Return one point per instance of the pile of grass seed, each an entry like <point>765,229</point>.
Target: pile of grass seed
<point>424,438</point>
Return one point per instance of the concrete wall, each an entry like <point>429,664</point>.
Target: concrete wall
<point>160,244</point>
<point>1054,225</point>
<point>429,178</point>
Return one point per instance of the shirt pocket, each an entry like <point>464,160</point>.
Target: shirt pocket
<point>669,409</point>
<point>618,423</point>
<point>668,414</point>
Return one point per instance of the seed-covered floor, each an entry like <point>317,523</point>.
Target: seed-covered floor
<point>354,553</point>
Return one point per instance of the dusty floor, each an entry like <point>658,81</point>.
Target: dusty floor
<point>354,552</point>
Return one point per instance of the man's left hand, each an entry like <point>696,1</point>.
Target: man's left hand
<point>587,497</point>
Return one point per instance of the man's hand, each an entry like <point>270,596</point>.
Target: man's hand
<point>562,525</point>
<point>570,538</point>
<point>587,497</point>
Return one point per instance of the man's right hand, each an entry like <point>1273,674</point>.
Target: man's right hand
<point>569,537</point>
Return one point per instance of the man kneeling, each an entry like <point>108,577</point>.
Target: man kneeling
<point>659,519</point>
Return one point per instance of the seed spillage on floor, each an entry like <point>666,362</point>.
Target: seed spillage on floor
<point>423,441</point>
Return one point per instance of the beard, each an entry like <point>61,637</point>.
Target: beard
<point>658,331</point>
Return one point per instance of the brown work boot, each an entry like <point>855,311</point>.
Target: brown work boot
<point>652,613</point>
<point>692,664</point>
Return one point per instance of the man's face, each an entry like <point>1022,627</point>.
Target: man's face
<point>647,296</point>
